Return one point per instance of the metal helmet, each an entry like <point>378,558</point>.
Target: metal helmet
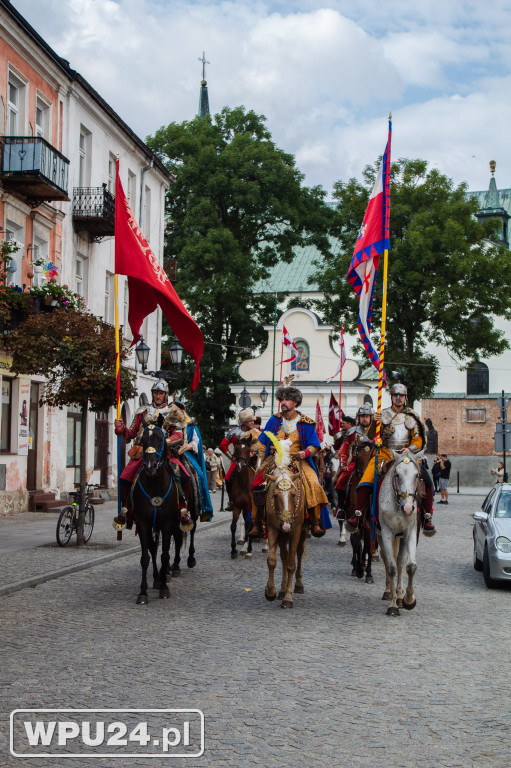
<point>365,410</point>
<point>160,386</point>
<point>399,389</point>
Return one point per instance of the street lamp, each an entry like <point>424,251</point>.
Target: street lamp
<point>244,400</point>
<point>176,356</point>
<point>263,394</point>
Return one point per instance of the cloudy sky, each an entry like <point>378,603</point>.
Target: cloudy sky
<point>325,73</point>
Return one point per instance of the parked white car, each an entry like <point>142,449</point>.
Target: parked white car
<point>492,536</point>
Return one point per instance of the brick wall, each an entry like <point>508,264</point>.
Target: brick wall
<point>456,436</point>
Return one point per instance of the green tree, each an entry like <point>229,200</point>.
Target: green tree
<point>75,351</point>
<point>237,206</point>
<point>446,280</point>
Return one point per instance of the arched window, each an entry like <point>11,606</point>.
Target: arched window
<point>302,361</point>
<point>368,399</point>
<point>478,379</point>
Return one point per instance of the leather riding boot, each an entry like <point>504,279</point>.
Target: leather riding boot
<point>363,496</point>
<point>254,525</point>
<point>317,529</point>
<point>427,505</point>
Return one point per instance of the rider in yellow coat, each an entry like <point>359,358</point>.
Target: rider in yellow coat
<point>401,429</point>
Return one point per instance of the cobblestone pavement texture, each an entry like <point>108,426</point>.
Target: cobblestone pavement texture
<point>332,682</point>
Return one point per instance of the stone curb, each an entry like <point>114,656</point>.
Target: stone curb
<point>33,581</point>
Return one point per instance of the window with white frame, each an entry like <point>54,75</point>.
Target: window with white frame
<point>132,191</point>
<point>109,298</point>
<point>81,275</point>
<point>15,232</point>
<point>127,329</point>
<point>84,153</point>
<point>111,173</point>
<point>42,118</point>
<point>6,416</point>
<point>16,97</point>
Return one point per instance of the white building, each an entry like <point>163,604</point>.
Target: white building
<point>57,181</point>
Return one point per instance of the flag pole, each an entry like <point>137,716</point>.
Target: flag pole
<point>340,377</point>
<point>274,350</point>
<point>117,379</point>
<point>378,440</point>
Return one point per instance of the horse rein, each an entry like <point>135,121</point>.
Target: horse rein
<point>151,450</point>
<point>403,495</point>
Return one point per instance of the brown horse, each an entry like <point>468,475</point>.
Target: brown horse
<point>360,540</point>
<point>241,491</point>
<point>285,519</point>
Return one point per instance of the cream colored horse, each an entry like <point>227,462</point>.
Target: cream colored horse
<point>285,516</point>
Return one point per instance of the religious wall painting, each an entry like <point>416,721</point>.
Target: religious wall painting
<point>302,361</point>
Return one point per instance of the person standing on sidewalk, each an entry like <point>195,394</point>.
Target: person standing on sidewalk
<point>212,469</point>
<point>499,472</point>
<point>445,473</point>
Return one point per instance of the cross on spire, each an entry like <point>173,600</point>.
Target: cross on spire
<point>204,62</point>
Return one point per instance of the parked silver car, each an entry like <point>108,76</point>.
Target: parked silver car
<point>492,536</point>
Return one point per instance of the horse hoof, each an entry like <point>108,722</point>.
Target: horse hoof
<point>234,555</point>
<point>299,589</point>
<point>359,573</point>
<point>142,600</point>
<point>376,558</point>
<point>386,595</point>
<point>270,596</point>
<point>409,606</point>
<point>240,541</point>
<point>369,580</point>
<point>354,572</point>
<point>156,584</point>
<point>341,543</point>
<point>399,602</point>
<point>264,549</point>
<point>176,572</point>
<point>249,555</point>
<point>191,562</point>
<point>165,594</point>
<point>282,594</point>
<point>243,553</point>
<point>392,611</point>
<point>286,604</point>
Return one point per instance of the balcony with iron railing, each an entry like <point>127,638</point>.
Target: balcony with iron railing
<point>31,167</point>
<point>94,211</point>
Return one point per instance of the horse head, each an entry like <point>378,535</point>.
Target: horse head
<point>405,480</point>
<point>153,445</point>
<point>242,452</point>
<point>285,496</point>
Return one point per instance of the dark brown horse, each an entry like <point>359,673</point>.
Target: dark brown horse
<point>241,491</point>
<point>360,540</point>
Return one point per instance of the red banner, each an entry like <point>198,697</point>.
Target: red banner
<point>320,424</point>
<point>148,284</point>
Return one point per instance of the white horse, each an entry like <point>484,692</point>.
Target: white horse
<point>398,517</point>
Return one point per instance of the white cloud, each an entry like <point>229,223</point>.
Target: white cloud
<point>325,74</point>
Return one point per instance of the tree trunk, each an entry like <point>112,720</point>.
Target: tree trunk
<point>83,480</point>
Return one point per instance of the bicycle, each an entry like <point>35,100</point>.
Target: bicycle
<point>68,519</point>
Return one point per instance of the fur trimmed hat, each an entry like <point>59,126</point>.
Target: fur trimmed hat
<point>289,393</point>
<point>247,414</point>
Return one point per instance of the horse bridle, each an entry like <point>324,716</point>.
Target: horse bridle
<point>151,449</point>
<point>402,495</point>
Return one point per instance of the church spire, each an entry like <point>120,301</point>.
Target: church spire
<point>203,97</point>
<point>492,196</point>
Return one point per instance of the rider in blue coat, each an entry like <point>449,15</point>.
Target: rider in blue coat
<point>195,455</point>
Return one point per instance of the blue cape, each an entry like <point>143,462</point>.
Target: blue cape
<point>199,465</point>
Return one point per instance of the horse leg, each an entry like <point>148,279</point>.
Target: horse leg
<point>287,602</point>
<point>342,533</point>
<point>284,554</point>
<point>144,535</point>
<point>409,600</point>
<point>178,543</point>
<point>263,534</point>
<point>235,516</point>
<point>356,561</point>
<point>270,592</point>
<point>191,561</point>
<point>153,549</point>
<point>299,555</point>
<point>242,537</point>
<point>367,548</point>
<point>165,562</point>
<point>387,548</point>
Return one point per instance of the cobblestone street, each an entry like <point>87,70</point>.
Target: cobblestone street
<point>333,682</point>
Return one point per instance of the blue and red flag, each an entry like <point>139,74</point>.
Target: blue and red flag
<point>373,239</point>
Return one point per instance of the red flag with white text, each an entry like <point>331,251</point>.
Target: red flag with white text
<point>148,284</point>
<point>320,424</point>
<point>334,421</point>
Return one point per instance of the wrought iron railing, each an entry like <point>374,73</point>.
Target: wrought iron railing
<point>34,156</point>
<point>93,203</point>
